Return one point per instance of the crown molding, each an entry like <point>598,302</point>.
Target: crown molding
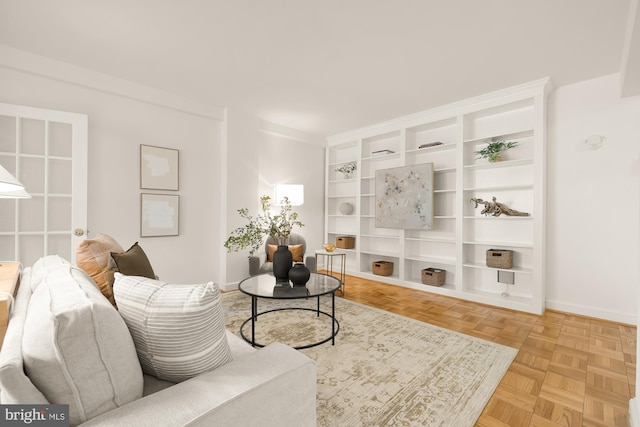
<point>41,66</point>
<point>290,133</point>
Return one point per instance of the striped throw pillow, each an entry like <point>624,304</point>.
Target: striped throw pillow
<point>178,330</point>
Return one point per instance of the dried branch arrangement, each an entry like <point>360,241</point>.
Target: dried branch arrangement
<point>496,208</point>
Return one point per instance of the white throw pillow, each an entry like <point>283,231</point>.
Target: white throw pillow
<point>178,330</point>
<point>76,347</point>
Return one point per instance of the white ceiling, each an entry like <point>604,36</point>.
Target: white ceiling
<point>325,66</point>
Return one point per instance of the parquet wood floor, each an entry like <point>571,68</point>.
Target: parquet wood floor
<point>570,370</point>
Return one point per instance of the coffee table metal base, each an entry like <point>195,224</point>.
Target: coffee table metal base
<point>335,327</point>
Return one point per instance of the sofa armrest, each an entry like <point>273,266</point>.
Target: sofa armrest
<point>275,386</point>
<point>254,265</point>
<point>310,262</point>
<point>256,261</point>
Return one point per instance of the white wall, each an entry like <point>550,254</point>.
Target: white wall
<point>289,161</point>
<point>242,185</point>
<point>220,163</point>
<point>260,155</point>
<point>118,124</point>
<point>593,203</point>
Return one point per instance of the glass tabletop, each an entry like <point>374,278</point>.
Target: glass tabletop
<point>265,286</point>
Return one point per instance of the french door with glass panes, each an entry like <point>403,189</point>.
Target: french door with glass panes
<point>46,151</point>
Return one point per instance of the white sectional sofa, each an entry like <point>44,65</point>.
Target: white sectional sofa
<point>92,365</point>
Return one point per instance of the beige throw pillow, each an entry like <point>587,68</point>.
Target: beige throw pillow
<point>296,252</point>
<point>94,257</point>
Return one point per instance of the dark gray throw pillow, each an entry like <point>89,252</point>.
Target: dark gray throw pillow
<point>134,262</point>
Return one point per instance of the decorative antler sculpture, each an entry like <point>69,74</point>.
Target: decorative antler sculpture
<point>496,208</point>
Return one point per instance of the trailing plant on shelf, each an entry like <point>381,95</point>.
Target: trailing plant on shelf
<point>347,169</point>
<point>265,224</point>
<point>493,151</point>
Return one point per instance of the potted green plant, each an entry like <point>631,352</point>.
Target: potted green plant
<point>347,169</point>
<point>493,151</point>
<point>265,224</point>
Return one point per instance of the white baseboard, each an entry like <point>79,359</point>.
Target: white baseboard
<point>628,318</point>
<point>634,412</point>
<point>229,286</point>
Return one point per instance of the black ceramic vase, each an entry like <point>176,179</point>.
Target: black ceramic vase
<point>299,274</point>
<point>282,259</point>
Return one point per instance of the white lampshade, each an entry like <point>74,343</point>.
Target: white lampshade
<point>20,194</point>
<point>11,188</point>
<point>8,182</point>
<point>294,192</point>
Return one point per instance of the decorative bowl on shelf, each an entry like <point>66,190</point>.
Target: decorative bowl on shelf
<point>329,247</point>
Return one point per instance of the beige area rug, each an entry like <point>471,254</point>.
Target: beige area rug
<point>385,369</point>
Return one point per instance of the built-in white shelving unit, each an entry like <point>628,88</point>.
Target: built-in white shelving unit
<point>460,235</point>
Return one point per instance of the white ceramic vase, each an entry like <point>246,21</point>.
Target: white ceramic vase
<point>346,208</point>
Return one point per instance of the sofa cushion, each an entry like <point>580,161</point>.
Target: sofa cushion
<point>76,347</point>
<point>133,262</point>
<point>178,330</point>
<point>42,267</point>
<point>296,252</point>
<point>94,257</point>
<point>15,387</point>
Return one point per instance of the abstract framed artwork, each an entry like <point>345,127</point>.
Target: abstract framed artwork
<point>159,215</point>
<point>404,197</point>
<point>159,168</point>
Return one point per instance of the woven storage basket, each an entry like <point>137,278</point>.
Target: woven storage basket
<point>433,276</point>
<point>382,268</point>
<point>345,242</point>
<point>499,258</point>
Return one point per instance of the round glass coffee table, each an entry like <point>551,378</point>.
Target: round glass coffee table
<point>265,286</point>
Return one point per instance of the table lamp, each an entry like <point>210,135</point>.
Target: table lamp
<point>11,188</point>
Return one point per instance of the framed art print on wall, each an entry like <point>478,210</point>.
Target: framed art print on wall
<point>159,215</point>
<point>404,197</point>
<point>159,168</point>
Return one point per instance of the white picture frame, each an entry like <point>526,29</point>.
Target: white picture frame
<point>159,215</point>
<point>159,168</point>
